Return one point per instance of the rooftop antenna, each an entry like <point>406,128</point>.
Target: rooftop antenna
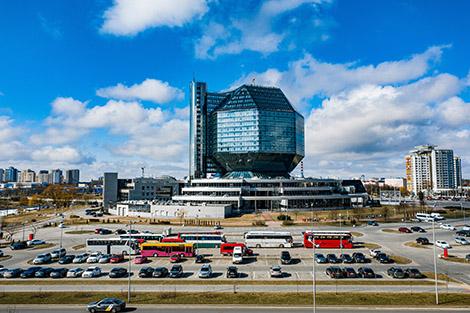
<point>143,171</point>
<point>302,169</point>
<point>253,80</point>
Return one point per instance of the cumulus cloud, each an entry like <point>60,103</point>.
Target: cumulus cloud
<point>255,31</point>
<point>60,155</point>
<point>149,90</point>
<point>130,17</point>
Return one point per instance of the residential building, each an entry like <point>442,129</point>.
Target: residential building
<point>458,172</point>
<point>2,173</point>
<point>55,177</point>
<point>442,167</point>
<point>27,176</point>
<point>11,175</point>
<point>43,177</point>
<point>110,189</point>
<point>72,177</point>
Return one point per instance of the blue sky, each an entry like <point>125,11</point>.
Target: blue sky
<point>102,85</point>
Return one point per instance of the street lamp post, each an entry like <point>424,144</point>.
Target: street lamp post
<point>340,235</point>
<point>435,261</point>
<point>129,265</point>
<point>314,280</point>
<point>61,230</point>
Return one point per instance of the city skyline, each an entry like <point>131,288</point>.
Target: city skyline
<point>104,94</point>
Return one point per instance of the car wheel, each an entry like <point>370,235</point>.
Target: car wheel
<point>155,255</point>
<point>114,310</point>
<point>92,311</point>
<point>281,246</point>
<point>258,246</point>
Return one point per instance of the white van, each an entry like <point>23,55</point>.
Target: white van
<point>237,256</point>
<point>425,217</point>
<point>437,216</point>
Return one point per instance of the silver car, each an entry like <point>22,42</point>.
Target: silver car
<point>462,241</point>
<point>81,258</point>
<point>105,258</point>
<point>42,258</point>
<point>75,272</point>
<point>205,271</point>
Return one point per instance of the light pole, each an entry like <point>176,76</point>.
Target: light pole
<point>314,280</point>
<point>129,265</point>
<point>340,235</point>
<point>61,230</point>
<point>435,261</point>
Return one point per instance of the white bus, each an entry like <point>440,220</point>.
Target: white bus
<point>268,239</point>
<point>142,237</point>
<point>112,245</point>
<point>425,217</point>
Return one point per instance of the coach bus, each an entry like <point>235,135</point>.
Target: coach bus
<point>200,239</point>
<point>268,239</point>
<point>328,239</point>
<point>112,245</point>
<point>142,237</point>
<point>164,249</point>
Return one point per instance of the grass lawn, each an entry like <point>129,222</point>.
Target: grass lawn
<point>398,259</point>
<point>413,244</point>
<point>43,246</point>
<point>368,245</point>
<point>78,247</point>
<point>243,298</point>
<point>391,231</point>
<point>80,232</point>
<point>456,259</point>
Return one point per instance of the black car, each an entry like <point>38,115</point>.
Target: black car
<point>104,231</point>
<point>422,240</point>
<point>160,272</point>
<point>418,229</point>
<point>365,272</point>
<point>176,271</point>
<point>396,272</point>
<point>334,272</point>
<point>332,258</point>
<point>12,273</point>
<point>232,272</point>
<point>372,223</point>
<point>346,258</point>
<point>467,258</point>
<point>285,257</point>
<point>29,272</point>
<point>66,259</point>
<point>200,259</point>
<point>464,233</point>
<point>383,258</point>
<point>107,305</point>
<point>146,272</point>
<point>58,273</point>
<point>120,231</point>
<point>117,272</point>
<point>359,257</point>
<point>43,272</point>
<point>320,258</point>
<point>413,273</point>
<point>18,245</point>
<point>349,272</point>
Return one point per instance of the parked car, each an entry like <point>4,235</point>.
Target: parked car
<point>160,272</point>
<point>58,273</point>
<point>447,227</point>
<point>146,272</point>
<point>334,272</point>
<point>374,252</point>
<point>205,271</point>
<point>42,259</point>
<point>366,272</point>
<point>58,253</point>
<point>332,258</point>
<point>75,272</point>
<point>35,242</point>
<point>107,305</point>
<point>232,272</point>
<point>92,272</point>
<point>467,258</point>
<point>383,258</point>
<point>30,272</point>
<point>237,255</point>
<point>81,258</point>
<point>1,253</point>
<point>462,241</point>
<point>175,258</point>
<point>404,230</point>
<point>418,229</point>
<point>466,227</point>
<point>105,231</point>
<point>12,273</point>
<point>104,258</point>
<point>18,245</point>
<point>140,260</point>
<point>94,257</point>
<point>443,244</point>
<point>2,271</point>
<point>117,272</point>
<point>120,231</point>
<point>422,240</point>
<point>176,271</point>
<point>320,258</point>
<point>464,233</point>
<point>372,223</point>
<point>359,257</point>
<point>43,272</point>
<point>116,258</point>
<point>349,272</point>
<point>67,259</point>
<point>396,272</point>
<point>200,259</point>
<point>413,273</point>
<point>217,227</point>
<point>346,258</point>
<point>276,272</point>
<point>285,257</point>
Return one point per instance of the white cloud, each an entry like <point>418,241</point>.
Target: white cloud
<point>68,106</point>
<point>308,76</point>
<point>130,17</point>
<point>455,112</point>
<point>59,155</point>
<point>149,90</point>
<point>253,32</point>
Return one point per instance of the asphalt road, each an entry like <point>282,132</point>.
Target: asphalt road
<point>225,309</point>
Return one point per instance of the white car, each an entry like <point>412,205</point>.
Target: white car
<point>81,258</point>
<point>92,272</point>
<point>443,244</point>
<point>94,257</point>
<point>75,272</point>
<point>374,252</point>
<point>462,241</point>
<point>237,256</point>
<point>447,227</point>
<point>466,227</point>
<point>276,271</point>
<point>104,258</point>
<point>35,242</point>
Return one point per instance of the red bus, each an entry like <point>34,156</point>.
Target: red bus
<point>162,249</point>
<point>227,248</point>
<point>328,239</point>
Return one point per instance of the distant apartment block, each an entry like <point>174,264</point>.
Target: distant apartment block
<point>11,175</point>
<point>27,176</point>
<point>2,175</point>
<point>72,177</point>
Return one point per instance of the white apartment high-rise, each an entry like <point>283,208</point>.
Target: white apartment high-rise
<point>43,177</point>
<point>27,176</point>
<point>431,169</point>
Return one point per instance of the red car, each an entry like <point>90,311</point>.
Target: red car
<point>140,260</point>
<point>175,258</point>
<point>404,230</point>
<point>116,258</point>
